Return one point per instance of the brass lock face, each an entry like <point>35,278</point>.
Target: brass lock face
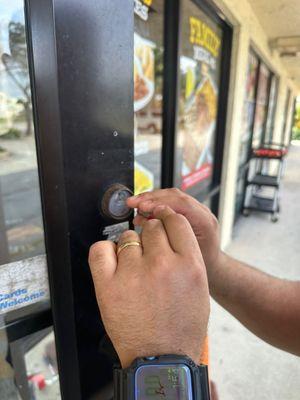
<point>113,203</point>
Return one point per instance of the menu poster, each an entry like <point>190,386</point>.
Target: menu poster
<point>200,73</point>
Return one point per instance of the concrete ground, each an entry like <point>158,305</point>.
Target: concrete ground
<point>243,366</point>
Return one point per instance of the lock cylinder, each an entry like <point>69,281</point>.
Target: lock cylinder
<point>113,204</point>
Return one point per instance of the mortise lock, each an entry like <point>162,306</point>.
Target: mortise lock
<point>113,203</point>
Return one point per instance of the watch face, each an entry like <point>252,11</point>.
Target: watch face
<point>168,382</point>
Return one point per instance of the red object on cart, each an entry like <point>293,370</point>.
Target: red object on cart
<point>38,380</point>
<point>265,152</point>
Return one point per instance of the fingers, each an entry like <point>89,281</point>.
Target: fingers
<point>103,262</point>
<point>154,238</point>
<point>138,220</point>
<point>180,203</point>
<point>129,252</point>
<point>146,202</point>
<point>178,230</point>
<point>134,201</point>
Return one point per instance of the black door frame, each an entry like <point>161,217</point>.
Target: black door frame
<point>41,41</point>
<point>73,174</point>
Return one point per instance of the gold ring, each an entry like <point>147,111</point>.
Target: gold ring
<point>127,244</point>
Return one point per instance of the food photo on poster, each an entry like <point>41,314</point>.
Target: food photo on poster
<point>198,105</point>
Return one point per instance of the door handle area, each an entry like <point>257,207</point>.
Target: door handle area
<point>113,204</point>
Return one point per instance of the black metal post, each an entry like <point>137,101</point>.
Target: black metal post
<point>82,75</point>
<point>222,116</point>
<point>170,89</point>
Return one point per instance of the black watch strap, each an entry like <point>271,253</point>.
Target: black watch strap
<point>124,381</point>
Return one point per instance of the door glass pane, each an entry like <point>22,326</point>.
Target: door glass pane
<point>29,367</point>
<point>261,105</point>
<point>148,98</point>
<point>23,276</point>
<point>200,65</point>
<point>248,110</point>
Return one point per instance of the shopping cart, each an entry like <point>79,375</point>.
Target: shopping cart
<point>263,181</point>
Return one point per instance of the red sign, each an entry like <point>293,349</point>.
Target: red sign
<point>196,176</point>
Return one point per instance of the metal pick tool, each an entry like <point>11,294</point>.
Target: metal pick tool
<point>144,214</point>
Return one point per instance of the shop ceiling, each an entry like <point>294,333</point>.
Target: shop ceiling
<point>280,20</point>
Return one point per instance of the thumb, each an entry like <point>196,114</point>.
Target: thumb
<point>103,263</point>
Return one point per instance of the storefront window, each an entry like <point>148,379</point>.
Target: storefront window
<point>261,105</point>
<point>23,276</point>
<point>148,98</point>
<point>258,117</point>
<point>271,110</point>
<point>200,65</point>
<point>249,107</point>
<point>284,133</point>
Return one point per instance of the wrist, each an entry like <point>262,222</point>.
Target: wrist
<point>127,359</point>
<point>215,272</point>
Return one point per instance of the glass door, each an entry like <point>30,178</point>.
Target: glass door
<point>24,287</point>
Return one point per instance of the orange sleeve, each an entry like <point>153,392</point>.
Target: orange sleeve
<point>204,357</point>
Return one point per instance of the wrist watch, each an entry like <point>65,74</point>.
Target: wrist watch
<point>168,377</point>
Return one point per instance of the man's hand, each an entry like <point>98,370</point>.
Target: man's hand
<point>203,222</point>
<point>153,298</point>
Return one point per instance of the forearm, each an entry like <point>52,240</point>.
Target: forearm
<point>268,306</point>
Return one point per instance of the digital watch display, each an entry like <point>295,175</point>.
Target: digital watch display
<point>170,381</point>
<point>167,377</point>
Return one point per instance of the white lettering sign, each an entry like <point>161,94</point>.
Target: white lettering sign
<point>201,54</point>
<point>141,10</point>
<point>23,283</point>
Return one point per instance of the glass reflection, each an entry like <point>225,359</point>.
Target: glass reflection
<point>148,87</point>
<point>21,223</point>
<point>29,367</point>
<point>23,276</point>
<point>23,272</point>
<point>271,110</point>
<point>261,105</point>
<point>248,109</point>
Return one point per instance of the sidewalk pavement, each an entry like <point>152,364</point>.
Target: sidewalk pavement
<point>243,366</point>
